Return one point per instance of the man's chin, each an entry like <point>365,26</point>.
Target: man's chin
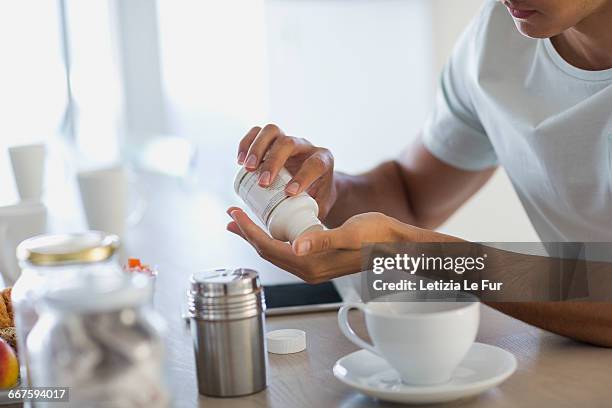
<point>534,31</point>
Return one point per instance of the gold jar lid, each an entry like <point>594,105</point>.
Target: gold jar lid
<point>61,249</point>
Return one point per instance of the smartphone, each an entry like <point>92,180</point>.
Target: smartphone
<point>301,298</point>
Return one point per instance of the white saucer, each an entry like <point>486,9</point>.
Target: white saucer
<point>482,368</point>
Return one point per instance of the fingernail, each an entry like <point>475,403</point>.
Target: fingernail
<point>264,178</point>
<point>303,247</point>
<point>233,214</point>
<point>241,157</point>
<point>292,188</point>
<point>251,162</point>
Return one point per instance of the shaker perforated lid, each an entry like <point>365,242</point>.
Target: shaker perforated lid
<point>225,282</point>
<point>225,294</point>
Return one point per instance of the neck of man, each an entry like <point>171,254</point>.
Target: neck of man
<point>588,45</point>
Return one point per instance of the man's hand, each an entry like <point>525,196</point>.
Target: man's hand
<point>318,256</point>
<point>323,255</point>
<point>312,168</point>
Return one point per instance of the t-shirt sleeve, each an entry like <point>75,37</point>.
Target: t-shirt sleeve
<point>453,132</point>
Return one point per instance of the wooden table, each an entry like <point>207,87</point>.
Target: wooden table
<point>182,233</point>
<point>552,371</point>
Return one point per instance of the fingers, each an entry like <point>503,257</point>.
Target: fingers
<point>320,241</point>
<point>260,145</point>
<point>261,241</point>
<point>233,227</point>
<point>313,269</point>
<point>245,143</point>
<point>314,167</point>
<point>232,209</point>
<point>247,227</point>
<point>280,151</point>
<point>268,149</point>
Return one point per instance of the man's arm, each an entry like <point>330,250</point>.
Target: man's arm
<point>417,189</point>
<point>420,190</point>
<point>337,252</point>
<point>590,322</point>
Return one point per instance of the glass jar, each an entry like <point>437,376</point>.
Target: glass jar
<point>102,340</point>
<point>47,262</point>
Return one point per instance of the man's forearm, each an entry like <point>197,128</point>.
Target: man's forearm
<point>417,188</point>
<point>590,322</point>
<point>379,190</point>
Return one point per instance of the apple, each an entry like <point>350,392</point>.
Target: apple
<point>9,366</point>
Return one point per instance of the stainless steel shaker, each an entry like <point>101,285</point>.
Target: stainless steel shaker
<point>226,312</point>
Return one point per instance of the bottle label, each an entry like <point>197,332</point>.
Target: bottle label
<point>263,200</point>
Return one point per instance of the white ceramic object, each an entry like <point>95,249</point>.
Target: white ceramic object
<point>28,162</point>
<point>104,195</point>
<point>423,340</point>
<point>483,368</point>
<point>18,222</point>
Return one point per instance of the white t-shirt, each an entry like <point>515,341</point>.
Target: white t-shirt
<point>514,101</point>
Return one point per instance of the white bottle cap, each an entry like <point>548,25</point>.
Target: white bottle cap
<point>286,341</point>
<point>301,222</point>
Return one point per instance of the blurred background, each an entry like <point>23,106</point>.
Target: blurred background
<point>171,86</point>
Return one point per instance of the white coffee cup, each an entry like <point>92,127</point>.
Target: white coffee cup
<point>104,197</point>
<point>108,201</point>
<point>28,162</point>
<point>18,222</point>
<point>423,340</point>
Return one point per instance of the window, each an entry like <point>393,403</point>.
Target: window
<point>32,78</point>
<point>40,43</point>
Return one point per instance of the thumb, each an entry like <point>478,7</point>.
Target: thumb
<point>319,241</point>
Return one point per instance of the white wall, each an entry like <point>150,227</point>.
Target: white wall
<point>354,76</point>
<point>32,81</point>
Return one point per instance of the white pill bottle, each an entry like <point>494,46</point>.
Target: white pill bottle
<point>286,217</point>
